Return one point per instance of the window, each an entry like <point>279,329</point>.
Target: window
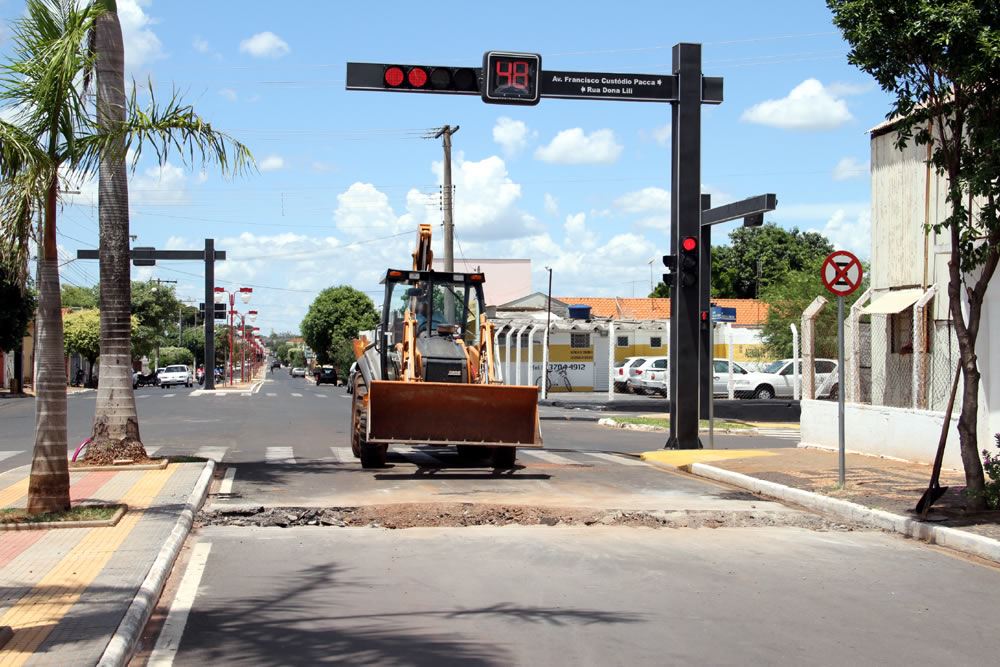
<point>901,332</point>
<point>622,341</point>
<point>657,341</point>
<point>579,340</point>
<point>788,370</point>
<point>723,367</point>
<point>660,363</point>
<point>825,366</point>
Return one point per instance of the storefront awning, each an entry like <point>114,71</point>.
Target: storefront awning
<point>893,302</point>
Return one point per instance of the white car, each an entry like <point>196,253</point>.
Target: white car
<point>656,378</point>
<point>621,372</point>
<point>298,373</point>
<point>175,375</point>
<point>638,375</point>
<point>776,380</point>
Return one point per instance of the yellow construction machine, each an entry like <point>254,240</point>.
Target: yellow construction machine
<point>428,375</point>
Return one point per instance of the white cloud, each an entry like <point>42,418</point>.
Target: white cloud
<point>142,46</point>
<point>229,94</point>
<point>320,166</point>
<point>573,146</point>
<point>265,45</point>
<point>512,135</point>
<point>796,214</point>
<point>846,89</point>
<point>646,200</point>
<point>364,211</point>
<point>661,135</point>
<point>577,233</point>
<point>849,232</point>
<point>551,205</point>
<point>810,106</point>
<point>849,168</point>
<point>201,45</point>
<point>271,163</point>
<point>161,184</point>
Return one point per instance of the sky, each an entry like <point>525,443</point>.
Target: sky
<point>343,177</point>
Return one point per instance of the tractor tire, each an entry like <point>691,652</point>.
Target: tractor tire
<point>359,417</point>
<point>504,457</point>
<point>373,456</point>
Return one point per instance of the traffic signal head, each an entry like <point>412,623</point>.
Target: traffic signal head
<point>688,264</point>
<point>422,77</point>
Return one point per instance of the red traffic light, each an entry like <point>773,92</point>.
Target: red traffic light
<point>689,244</point>
<point>417,77</point>
<point>394,76</point>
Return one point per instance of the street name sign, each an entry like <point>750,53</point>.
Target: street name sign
<point>609,86</point>
<point>723,314</point>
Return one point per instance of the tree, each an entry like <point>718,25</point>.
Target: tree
<point>53,130</point>
<point>774,250</point>
<point>176,355</point>
<point>787,298</point>
<point>296,358</point>
<point>82,335</point>
<point>939,59</point>
<point>79,297</point>
<point>334,320</point>
<point>15,316</point>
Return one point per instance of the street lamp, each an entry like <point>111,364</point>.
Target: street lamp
<point>220,296</point>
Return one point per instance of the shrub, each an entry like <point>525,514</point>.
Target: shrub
<point>991,465</point>
<point>176,355</point>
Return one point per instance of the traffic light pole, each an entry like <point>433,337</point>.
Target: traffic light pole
<point>685,221</point>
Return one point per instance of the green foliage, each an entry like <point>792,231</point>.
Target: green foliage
<point>80,297</point>
<point>176,355</point>
<point>296,359</point>
<point>787,298</point>
<point>334,320</point>
<point>82,333</point>
<point>17,312</point>
<point>777,250</point>
<point>281,351</point>
<point>991,465</point>
<point>661,291</point>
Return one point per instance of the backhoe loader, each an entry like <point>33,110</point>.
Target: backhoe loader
<point>427,375</point>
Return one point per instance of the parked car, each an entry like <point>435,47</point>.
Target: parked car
<point>298,373</point>
<point>775,381</point>
<point>176,375</point>
<point>325,375</point>
<point>655,378</point>
<point>636,380</point>
<point>275,364</point>
<point>621,372</point>
<point>720,376</point>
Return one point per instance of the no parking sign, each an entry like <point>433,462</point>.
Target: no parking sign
<point>842,273</point>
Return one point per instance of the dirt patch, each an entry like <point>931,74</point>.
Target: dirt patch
<point>111,453</point>
<point>459,515</point>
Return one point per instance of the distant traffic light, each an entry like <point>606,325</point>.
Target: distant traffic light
<point>688,264</point>
<point>422,77</point>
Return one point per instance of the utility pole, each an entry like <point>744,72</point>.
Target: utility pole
<point>447,199</point>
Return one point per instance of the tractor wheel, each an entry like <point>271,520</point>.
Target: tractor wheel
<point>359,417</point>
<point>504,457</point>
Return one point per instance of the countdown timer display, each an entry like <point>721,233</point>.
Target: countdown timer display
<point>511,78</point>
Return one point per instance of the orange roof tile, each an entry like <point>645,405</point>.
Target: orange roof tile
<point>749,312</point>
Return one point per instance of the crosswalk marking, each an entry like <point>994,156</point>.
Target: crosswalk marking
<point>271,393</point>
<point>614,458</point>
<point>296,395</point>
<point>279,455</point>
<point>214,453</point>
<point>320,395</point>
<point>548,457</point>
<point>783,433</point>
<point>414,455</point>
<point>142,396</point>
<point>226,487</point>
<point>169,395</point>
<point>8,454</point>
<point>343,455</point>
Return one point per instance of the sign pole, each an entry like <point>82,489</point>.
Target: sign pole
<point>840,392</point>
<point>711,383</point>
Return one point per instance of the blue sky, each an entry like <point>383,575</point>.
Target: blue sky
<point>582,186</point>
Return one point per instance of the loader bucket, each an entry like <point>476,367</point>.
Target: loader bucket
<point>442,413</point>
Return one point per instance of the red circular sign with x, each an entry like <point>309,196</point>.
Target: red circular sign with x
<point>842,273</point>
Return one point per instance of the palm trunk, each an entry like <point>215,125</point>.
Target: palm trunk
<point>48,485</point>
<point>116,423</point>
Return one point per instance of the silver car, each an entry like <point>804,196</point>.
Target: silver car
<point>777,378</point>
<point>298,373</point>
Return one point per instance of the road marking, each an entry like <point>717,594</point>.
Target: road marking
<point>320,395</point>
<point>271,393</point>
<point>615,458</point>
<point>279,455</point>
<point>296,395</point>
<point>173,628</point>
<point>782,433</point>
<point>152,450</point>
<point>8,454</point>
<point>343,455</point>
<point>549,457</point>
<point>226,486</point>
<point>418,457</point>
<point>169,395</point>
<point>142,396</point>
<point>214,453</point>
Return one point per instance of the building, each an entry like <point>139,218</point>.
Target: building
<point>903,351</point>
<point>506,279</point>
<point>580,329</point>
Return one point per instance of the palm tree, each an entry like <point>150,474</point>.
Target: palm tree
<point>53,129</point>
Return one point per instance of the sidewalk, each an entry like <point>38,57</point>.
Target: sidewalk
<point>876,483</point>
<point>775,410</point>
<point>66,591</point>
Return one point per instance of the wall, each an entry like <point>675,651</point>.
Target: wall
<point>900,433</point>
<point>506,279</point>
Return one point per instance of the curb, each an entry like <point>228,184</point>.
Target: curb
<point>952,538</point>
<point>119,650</point>
<point>56,525</point>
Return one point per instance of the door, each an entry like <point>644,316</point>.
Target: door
<point>601,352</point>
<point>783,387</point>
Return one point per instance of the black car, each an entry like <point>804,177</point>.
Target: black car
<point>326,375</point>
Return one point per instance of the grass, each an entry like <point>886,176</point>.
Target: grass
<point>78,513</point>
<point>663,422</point>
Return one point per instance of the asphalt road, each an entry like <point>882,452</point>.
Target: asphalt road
<point>293,412</point>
